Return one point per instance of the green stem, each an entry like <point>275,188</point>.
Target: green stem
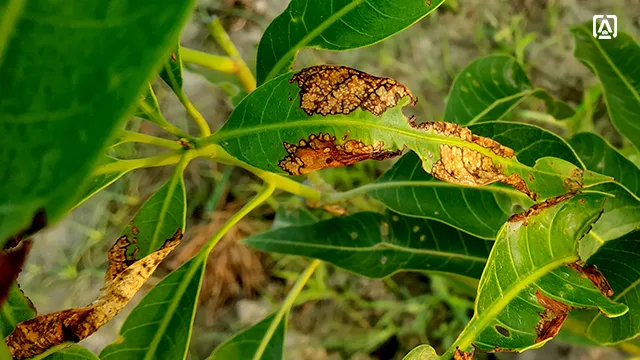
<point>276,180</point>
<point>125,136</point>
<point>128,165</point>
<point>541,117</point>
<point>214,62</point>
<point>222,38</point>
<point>262,196</point>
<point>286,306</point>
<point>194,113</point>
<point>157,118</point>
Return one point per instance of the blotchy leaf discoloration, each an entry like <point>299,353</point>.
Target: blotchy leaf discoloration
<point>330,90</point>
<point>462,355</point>
<point>123,279</point>
<point>553,317</point>
<point>321,152</point>
<point>592,273</point>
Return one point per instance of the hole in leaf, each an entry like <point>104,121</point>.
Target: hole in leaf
<point>504,332</point>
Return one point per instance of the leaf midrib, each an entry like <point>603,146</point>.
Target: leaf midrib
<point>482,320</point>
<point>381,246</point>
<point>310,36</point>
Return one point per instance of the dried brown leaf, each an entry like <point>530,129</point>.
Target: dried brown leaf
<point>462,355</point>
<point>124,278</point>
<point>11,263</point>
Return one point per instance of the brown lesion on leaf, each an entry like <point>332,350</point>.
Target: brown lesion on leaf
<point>465,166</point>
<point>321,152</point>
<point>330,90</point>
<point>462,355</point>
<point>553,316</point>
<point>592,273</point>
<point>574,182</point>
<point>123,279</point>
<point>537,208</point>
<point>11,262</point>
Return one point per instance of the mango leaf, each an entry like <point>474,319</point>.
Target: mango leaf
<point>422,352</point>
<point>479,211</point>
<point>160,326</point>
<point>338,25</point>
<point>160,216</point>
<point>74,352</point>
<point>244,344</point>
<point>600,156</point>
<point>490,88</point>
<point>621,216</point>
<point>17,308</point>
<point>614,63</point>
<point>533,277</point>
<point>171,71</point>
<point>148,107</point>
<point>376,245</point>
<point>330,116</point>
<point>619,262</point>
<point>98,183</point>
<point>59,110</point>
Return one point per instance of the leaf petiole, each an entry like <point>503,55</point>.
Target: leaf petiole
<point>125,136</point>
<point>159,120</point>
<point>214,62</point>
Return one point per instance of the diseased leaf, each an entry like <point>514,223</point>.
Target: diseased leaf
<point>480,211</point>
<point>533,277</point>
<point>619,262</point>
<point>337,116</point>
<point>123,279</point>
<point>16,308</point>
<point>74,352</point>
<point>376,245</point>
<point>600,156</point>
<point>337,25</point>
<point>491,87</point>
<point>422,352</point>
<point>159,217</point>
<point>621,215</point>
<point>160,326</point>
<point>58,108</point>
<point>244,344</point>
<point>97,183</point>
<point>11,262</point>
<point>614,62</point>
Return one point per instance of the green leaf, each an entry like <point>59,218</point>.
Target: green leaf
<point>159,217</point>
<point>600,156</point>
<point>528,268</point>
<point>619,262</point>
<point>74,352</point>
<point>98,183</point>
<point>244,344</point>
<point>275,130</point>
<point>422,352</point>
<point>480,211</point>
<point>614,62</point>
<point>338,25</point>
<point>491,87</point>
<point>160,326</point>
<point>376,245</point>
<point>72,72</point>
<point>17,308</point>
<point>171,71</point>
<point>621,216</point>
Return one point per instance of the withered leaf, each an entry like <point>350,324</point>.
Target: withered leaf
<point>537,208</point>
<point>11,263</point>
<point>123,279</point>
<point>330,89</point>
<point>553,317</point>
<point>321,152</point>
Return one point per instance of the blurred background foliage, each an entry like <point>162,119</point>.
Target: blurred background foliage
<point>341,316</point>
